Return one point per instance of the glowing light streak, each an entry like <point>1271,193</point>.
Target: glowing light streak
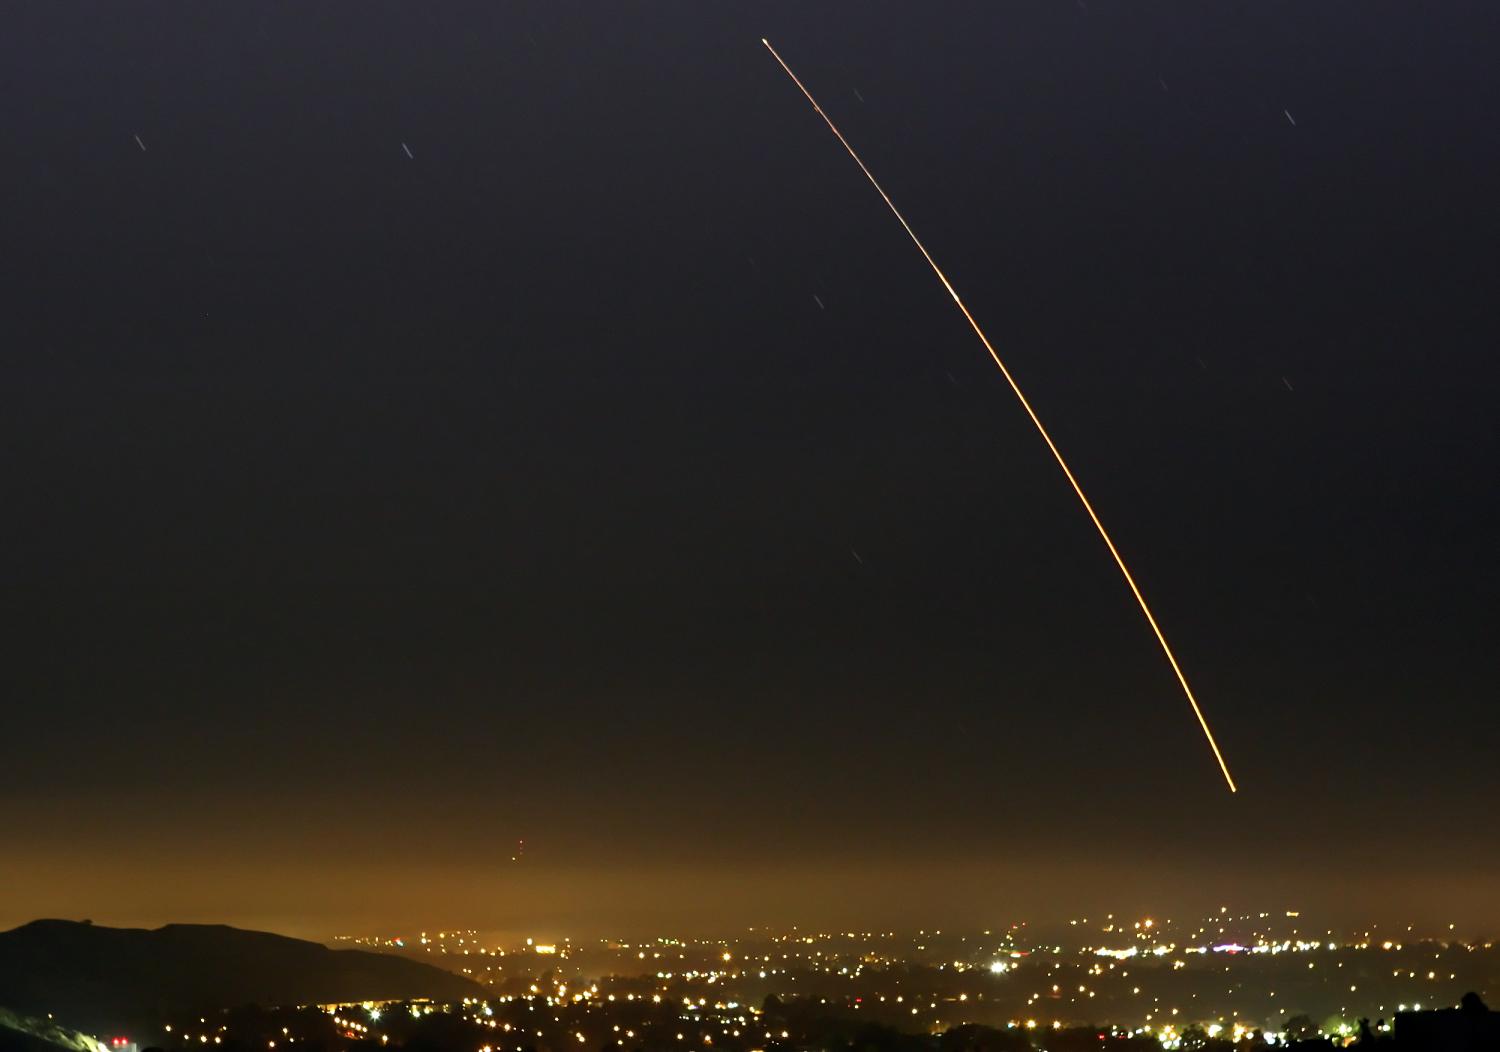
<point>1026,405</point>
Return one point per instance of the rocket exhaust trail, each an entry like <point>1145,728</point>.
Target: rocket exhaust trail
<point>1099,525</point>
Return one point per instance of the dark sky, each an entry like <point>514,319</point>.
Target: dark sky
<point>365,513</point>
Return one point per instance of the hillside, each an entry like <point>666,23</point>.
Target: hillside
<point>19,1033</point>
<point>104,980</point>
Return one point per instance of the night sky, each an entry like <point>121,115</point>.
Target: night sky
<point>366,512</point>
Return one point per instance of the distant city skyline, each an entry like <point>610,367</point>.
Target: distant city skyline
<point>1262,978</point>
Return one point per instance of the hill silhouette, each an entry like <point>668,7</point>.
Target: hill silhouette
<point>118,980</point>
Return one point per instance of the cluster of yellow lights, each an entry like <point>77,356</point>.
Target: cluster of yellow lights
<point>1142,940</point>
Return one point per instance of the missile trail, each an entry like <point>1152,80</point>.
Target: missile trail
<point>1015,387</point>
